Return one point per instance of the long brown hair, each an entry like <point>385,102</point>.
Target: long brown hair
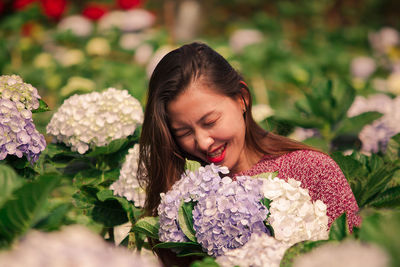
<point>161,160</point>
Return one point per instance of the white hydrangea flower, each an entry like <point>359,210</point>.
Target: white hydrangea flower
<point>95,119</point>
<point>111,20</point>
<point>127,21</point>
<point>72,246</point>
<point>127,185</point>
<point>259,251</point>
<point>261,112</point>
<point>362,67</point>
<point>24,95</point>
<point>293,216</point>
<point>136,20</point>
<point>244,37</point>
<point>350,253</point>
<point>130,41</point>
<point>143,54</point>
<point>77,24</point>
<point>301,134</point>
<point>382,40</point>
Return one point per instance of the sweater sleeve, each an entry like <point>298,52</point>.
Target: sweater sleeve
<point>325,181</point>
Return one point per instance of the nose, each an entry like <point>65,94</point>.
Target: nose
<point>203,140</point>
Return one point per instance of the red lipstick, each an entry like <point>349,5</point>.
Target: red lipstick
<point>220,156</point>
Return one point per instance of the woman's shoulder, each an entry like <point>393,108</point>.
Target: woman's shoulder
<point>307,156</point>
<point>303,157</point>
<point>309,161</point>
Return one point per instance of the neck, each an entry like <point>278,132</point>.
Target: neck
<point>249,159</point>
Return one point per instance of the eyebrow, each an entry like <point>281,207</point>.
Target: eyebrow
<point>198,121</point>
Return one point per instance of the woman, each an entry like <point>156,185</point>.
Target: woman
<point>199,108</point>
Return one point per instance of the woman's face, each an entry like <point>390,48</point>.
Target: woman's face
<point>210,126</point>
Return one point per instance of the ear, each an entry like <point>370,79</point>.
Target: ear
<point>244,98</point>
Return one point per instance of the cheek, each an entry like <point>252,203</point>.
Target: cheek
<point>186,144</point>
<point>234,129</point>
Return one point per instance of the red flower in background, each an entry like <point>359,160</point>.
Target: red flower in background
<point>22,4</point>
<point>1,6</point>
<point>54,8</point>
<point>94,11</point>
<point>127,4</point>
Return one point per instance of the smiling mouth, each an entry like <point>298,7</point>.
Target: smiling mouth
<point>217,155</point>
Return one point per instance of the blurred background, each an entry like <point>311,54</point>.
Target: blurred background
<point>324,72</point>
<point>282,48</point>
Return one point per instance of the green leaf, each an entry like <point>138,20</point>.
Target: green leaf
<point>42,107</point>
<point>88,177</point>
<point>344,95</point>
<point>205,262</point>
<point>392,152</point>
<point>299,249</point>
<point>189,253</point>
<point>377,182</point>
<point>185,220</point>
<point>266,202</point>
<point>294,118</point>
<point>110,213</point>
<point>185,245</point>
<point>112,147</point>
<point>19,213</point>
<point>382,228</point>
<point>374,163</point>
<point>85,198</point>
<point>350,167</point>
<point>367,176</point>
<point>9,181</point>
<point>339,229</point>
<point>355,124</point>
<point>133,212</point>
<point>58,149</point>
<point>317,143</point>
<point>105,194</point>
<point>303,106</point>
<point>321,101</point>
<point>148,226</point>
<point>55,219</point>
<point>94,177</point>
<point>192,165</point>
<point>390,198</point>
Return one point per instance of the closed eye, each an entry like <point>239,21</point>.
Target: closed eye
<point>181,134</point>
<point>209,123</point>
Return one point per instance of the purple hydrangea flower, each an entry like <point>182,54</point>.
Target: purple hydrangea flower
<point>375,136</point>
<point>191,186</point>
<point>226,217</point>
<point>18,135</point>
<point>226,214</point>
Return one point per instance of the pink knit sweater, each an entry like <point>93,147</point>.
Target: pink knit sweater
<point>319,174</point>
